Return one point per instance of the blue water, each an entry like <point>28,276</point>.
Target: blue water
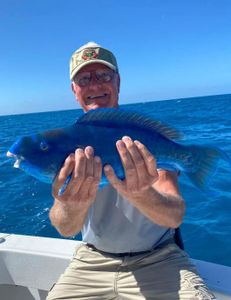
<point>25,202</point>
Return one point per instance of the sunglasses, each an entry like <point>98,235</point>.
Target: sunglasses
<point>84,78</point>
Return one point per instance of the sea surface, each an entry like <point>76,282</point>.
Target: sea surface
<point>206,230</point>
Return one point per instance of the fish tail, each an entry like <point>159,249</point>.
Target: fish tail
<point>207,160</point>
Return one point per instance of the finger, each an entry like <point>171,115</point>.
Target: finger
<point>91,182</point>
<point>112,178</point>
<point>97,168</point>
<point>135,153</point>
<point>89,152</point>
<point>63,174</point>
<point>78,173</point>
<point>149,159</point>
<point>97,176</point>
<point>80,164</point>
<point>127,162</point>
<point>144,178</point>
<point>85,188</point>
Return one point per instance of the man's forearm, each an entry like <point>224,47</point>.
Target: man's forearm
<point>163,209</point>
<point>66,219</point>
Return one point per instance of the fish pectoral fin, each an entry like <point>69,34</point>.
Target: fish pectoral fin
<point>63,188</point>
<point>166,166</point>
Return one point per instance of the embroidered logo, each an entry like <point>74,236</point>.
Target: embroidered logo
<point>89,54</point>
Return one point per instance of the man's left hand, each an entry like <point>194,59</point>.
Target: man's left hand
<point>139,167</point>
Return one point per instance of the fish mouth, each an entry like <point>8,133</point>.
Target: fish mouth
<point>18,159</point>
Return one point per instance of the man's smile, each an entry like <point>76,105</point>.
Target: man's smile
<point>92,97</point>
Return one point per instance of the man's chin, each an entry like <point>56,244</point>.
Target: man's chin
<point>96,105</point>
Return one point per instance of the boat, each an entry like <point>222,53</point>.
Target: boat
<point>30,265</point>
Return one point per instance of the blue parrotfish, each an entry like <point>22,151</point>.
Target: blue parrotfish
<point>42,155</point>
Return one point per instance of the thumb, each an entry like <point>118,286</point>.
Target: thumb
<point>112,178</point>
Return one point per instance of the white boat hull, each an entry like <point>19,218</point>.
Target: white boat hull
<point>30,265</point>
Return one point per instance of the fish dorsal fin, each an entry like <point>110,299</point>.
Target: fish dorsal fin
<point>117,117</point>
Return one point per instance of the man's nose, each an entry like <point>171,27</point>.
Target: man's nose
<point>94,81</point>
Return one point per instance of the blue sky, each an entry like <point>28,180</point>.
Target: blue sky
<point>165,49</point>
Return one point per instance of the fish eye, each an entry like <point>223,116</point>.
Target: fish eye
<point>43,146</point>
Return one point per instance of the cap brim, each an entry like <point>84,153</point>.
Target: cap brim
<point>92,61</point>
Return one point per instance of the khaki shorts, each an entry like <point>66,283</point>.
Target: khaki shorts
<point>165,273</point>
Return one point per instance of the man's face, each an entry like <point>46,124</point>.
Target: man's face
<point>96,94</point>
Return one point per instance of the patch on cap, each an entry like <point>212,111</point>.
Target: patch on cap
<point>89,54</point>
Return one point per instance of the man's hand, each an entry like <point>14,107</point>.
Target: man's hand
<point>70,208</point>
<point>155,194</point>
<point>85,171</point>
<point>139,167</point>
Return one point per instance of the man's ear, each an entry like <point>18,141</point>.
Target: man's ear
<point>73,88</point>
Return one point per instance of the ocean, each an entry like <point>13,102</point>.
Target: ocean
<point>206,230</point>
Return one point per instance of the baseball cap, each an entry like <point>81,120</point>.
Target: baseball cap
<point>91,53</point>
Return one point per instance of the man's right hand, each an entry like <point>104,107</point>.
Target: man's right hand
<point>70,208</point>
<point>85,171</point>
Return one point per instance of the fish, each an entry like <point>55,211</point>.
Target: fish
<point>42,155</point>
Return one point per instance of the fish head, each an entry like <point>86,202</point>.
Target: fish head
<point>39,155</point>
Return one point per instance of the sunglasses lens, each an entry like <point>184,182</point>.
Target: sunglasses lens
<point>83,79</point>
<point>104,75</point>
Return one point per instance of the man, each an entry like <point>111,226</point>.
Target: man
<point>128,227</point>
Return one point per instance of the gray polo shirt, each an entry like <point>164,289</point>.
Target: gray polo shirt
<point>114,225</point>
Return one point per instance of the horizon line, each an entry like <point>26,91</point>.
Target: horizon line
<point>139,102</point>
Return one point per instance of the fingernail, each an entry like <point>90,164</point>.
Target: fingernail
<point>89,150</point>
<point>70,157</point>
<point>126,138</point>
<point>120,144</point>
<point>79,151</point>
<point>137,143</point>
